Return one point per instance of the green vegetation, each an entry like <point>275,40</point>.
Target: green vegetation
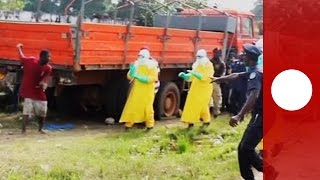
<point>167,152</point>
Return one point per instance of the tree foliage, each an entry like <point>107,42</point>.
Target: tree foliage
<point>145,10</point>
<point>11,5</point>
<point>58,6</point>
<point>258,10</point>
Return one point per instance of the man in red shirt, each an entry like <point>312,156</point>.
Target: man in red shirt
<point>34,83</point>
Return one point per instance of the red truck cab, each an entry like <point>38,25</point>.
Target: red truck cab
<point>246,30</point>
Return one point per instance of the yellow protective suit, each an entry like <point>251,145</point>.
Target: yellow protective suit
<point>199,95</point>
<point>139,105</point>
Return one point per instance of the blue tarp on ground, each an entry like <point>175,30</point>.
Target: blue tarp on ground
<point>56,127</point>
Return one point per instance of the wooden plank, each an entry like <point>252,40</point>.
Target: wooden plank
<point>34,27</point>
<point>36,44</point>
<point>36,36</point>
<point>31,35</point>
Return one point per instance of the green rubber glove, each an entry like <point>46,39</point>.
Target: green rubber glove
<point>184,76</point>
<point>132,70</point>
<point>195,74</point>
<point>142,79</point>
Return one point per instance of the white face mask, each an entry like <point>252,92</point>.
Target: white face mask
<point>201,57</point>
<point>201,60</point>
<point>142,59</point>
<point>144,56</point>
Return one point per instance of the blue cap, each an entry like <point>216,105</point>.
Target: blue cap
<point>251,49</point>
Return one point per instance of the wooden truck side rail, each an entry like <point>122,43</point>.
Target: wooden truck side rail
<point>102,45</point>
<point>36,36</point>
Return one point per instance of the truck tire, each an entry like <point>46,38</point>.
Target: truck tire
<point>167,100</point>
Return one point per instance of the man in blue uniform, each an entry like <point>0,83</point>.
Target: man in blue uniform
<point>238,88</point>
<point>226,87</point>
<point>247,156</point>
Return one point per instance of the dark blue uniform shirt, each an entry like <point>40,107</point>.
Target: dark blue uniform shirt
<point>255,82</point>
<point>239,85</point>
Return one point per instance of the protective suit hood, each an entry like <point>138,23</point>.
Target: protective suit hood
<point>201,58</point>
<point>144,57</point>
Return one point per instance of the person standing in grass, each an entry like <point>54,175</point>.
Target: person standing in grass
<point>34,83</point>
<point>219,70</point>
<point>199,95</point>
<point>139,106</point>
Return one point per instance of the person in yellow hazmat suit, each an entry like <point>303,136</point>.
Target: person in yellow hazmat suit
<point>139,106</point>
<point>197,103</point>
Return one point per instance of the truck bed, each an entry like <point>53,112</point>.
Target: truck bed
<point>102,45</point>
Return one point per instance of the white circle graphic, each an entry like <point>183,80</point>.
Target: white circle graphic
<point>291,90</point>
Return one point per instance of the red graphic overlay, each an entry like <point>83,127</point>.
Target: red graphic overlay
<point>292,41</point>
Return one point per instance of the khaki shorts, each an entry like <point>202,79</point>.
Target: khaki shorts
<point>35,107</point>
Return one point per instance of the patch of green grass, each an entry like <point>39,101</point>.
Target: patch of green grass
<point>163,153</point>
<point>64,174</point>
<point>37,173</point>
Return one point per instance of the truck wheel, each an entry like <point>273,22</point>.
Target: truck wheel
<point>167,100</point>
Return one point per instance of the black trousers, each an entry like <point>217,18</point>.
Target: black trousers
<point>237,100</point>
<point>225,90</point>
<point>247,156</point>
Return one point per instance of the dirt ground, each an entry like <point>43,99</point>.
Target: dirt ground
<point>10,127</point>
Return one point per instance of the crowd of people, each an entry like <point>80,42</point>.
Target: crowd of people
<point>234,86</point>
<point>230,96</point>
